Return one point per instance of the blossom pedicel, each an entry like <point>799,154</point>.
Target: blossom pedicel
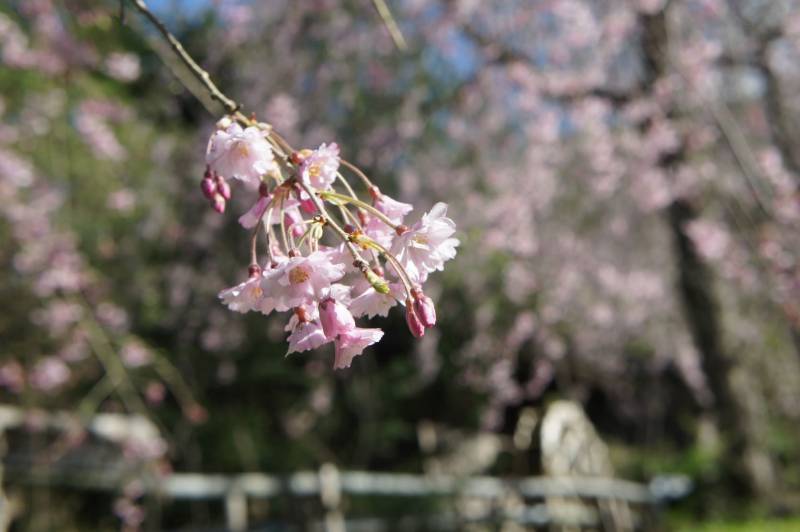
<point>375,262</point>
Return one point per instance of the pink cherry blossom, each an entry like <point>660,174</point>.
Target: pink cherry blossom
<point>12,376</point>
<point>393,209</point>
<point>134,354</point>
<point>301,280</point>
<point>306,330</point>
<point>306,336</point>
<point>319,168</point>
<point>242,154</point>
<point>246,296</point>
<point>351,343</point>
<point>251,218</point>
<point>369,302</point>
<point>123,66</point>
<point>49,374</point>
<point>378,231</point>
<point>710,238</point>
<point>426,246</point>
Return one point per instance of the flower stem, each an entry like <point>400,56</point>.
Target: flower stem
<point>268,231</point>
<point>359,203</point>
<point>254,243</point>
<point>286,248</point>
<point>359,261</point>
<point>356,170</point>
<point>401,272</point>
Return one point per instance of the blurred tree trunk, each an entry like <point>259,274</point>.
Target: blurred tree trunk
<point>748,466</point>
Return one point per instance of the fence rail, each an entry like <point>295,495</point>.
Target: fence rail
<point>328,483</point>
<point>199,486</point>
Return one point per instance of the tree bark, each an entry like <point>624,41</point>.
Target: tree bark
<point>748,469</point>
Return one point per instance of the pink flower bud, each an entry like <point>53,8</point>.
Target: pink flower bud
<point>218,203</point>
<point>223,187</point>
<point>294,222</point>
<point>254,270</point>
<point>208,187</point>
<point>414,325</point>
<point>335,318</point>
<point>308,205</point>
<point>424,309</point>
<point>263,190</point>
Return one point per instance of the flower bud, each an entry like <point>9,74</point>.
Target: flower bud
<point>334,318</point>
<point>378,283</point>
<point>308,205</point>
<point>423,307</point>
<point>296,158</point>
<point>223,187</point>
<point>254,270</point>
<point>400,229</point>
<point>263,190</point>
<point>294,222</point>
<point>414,325</point>
<point>349,228</point>
<point>218,203</point>
<point>208,187</point>
<point>375,192</point>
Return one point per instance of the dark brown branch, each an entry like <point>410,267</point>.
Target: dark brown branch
<point>202,75</point>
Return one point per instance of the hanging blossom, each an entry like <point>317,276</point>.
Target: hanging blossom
<point>317,250</point>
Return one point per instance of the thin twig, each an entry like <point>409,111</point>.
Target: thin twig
<point>230,106</point>
<point>233,109</point>
<point>391,24</point>
<point>101,346</point>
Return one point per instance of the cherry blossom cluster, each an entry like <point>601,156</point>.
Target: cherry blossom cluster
<point>372,262</point>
